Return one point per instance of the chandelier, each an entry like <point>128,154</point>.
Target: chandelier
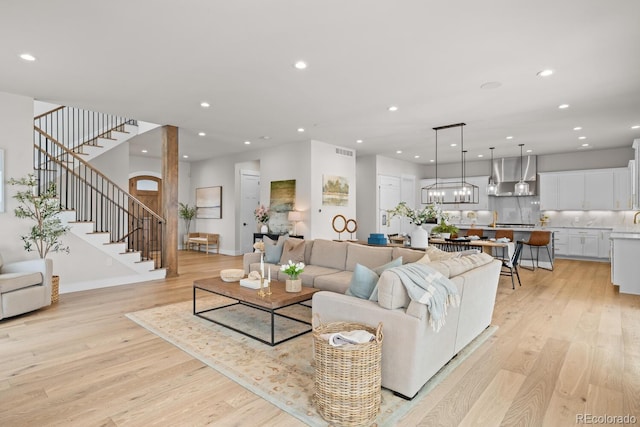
<point>451,192</point>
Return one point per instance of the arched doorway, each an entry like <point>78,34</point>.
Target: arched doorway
<point>148,190</point>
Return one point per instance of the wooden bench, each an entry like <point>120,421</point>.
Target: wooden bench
<point>206,239</point>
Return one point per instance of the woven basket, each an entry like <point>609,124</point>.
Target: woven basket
<point>347,378</point>
<point>55,289</point>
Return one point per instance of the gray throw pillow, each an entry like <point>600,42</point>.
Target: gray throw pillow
<point>273,250</point>
<point>364,280</point>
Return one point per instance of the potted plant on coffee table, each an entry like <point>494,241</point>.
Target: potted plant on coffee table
<point>43,207</point>
<point>293,270</point>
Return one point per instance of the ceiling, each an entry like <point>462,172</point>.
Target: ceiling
<point>157,60</point>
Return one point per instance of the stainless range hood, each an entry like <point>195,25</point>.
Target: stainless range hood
<point>506,173</point>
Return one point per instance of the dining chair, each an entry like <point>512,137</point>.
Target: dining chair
<point>475,232</point>
<point>500,234</point>
<point>510,266</point>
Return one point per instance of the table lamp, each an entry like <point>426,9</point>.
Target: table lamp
<point>295,217</point>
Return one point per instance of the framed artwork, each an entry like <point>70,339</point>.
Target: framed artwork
<point>335,190</point>
<point>209,202</point>
<point>283,195</point>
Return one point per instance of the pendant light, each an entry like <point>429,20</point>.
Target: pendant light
<point>522,187</point>
<point>492,188</point>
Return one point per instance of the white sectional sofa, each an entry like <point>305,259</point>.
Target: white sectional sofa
<point>412,352</point>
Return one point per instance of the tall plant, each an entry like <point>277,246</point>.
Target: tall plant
<point>187,213</point>
<point>43,208</point>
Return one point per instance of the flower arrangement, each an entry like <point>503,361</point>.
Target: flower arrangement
<point>187,213</point>
<point>443,227</point>
<point>262,214</point>
<point>417,216</point>
<point>292,270</point>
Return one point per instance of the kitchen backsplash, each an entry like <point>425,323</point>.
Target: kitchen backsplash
<point>526,210</point>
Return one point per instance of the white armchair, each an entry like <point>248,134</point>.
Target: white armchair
<point>24,286</point>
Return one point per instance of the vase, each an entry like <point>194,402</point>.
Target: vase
<point>419,237</point>
<point>264,228</point>
<point>445,235</point>
<point>293,285</point>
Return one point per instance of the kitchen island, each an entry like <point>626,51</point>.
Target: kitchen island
<point>625,265</point>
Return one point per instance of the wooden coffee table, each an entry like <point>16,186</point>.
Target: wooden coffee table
<point>278,299</point>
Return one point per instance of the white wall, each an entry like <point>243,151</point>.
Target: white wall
<point>16,138</point>
<point>325,161</point>
<point>367,200</point>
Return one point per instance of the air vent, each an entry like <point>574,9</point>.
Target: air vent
<point>344,152</point>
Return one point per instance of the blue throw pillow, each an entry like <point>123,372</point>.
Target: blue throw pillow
<point>273,252</point>
<point>364,280</point>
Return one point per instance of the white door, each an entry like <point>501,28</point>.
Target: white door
<point>389,197</point>
<point>249,200</point>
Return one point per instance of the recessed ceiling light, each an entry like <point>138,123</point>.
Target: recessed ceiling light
<point>358,141</point>
<point>202,134</point>
<point>563,106</point>
<point>27,57</point>
<point>480,155</point>
<point>509,137</point>
<point>399,152</point>
<point>416,157</point>
<point>545,73</point>
<point>265,137</point>
<point>577,128</point>
<point>635,127</point>
<point>300,65</point>
<point>585,145</point>
<point>582,137</point>
<point>432,160</point>
<point>393,108</point>
<point>185,156</point>
<point>205,105</point>
<point>300,130</point>
<point>529,150</point>
<point>144,151</point>
<point>247,143</point>
<point>490,85</point>
<point>454,145</point>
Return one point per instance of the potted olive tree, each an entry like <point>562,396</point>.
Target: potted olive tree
<point>42,207</point>
<point>187,213</point>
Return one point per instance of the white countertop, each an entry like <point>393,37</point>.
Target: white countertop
<point>629,232</point>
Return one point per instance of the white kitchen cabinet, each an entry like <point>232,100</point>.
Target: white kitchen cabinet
<point>560,241</point>
<point>580,190</point>
<point>548,192</point>
<point>604,244</point>
<point>598,190</point>
<point>583,243</point>
<point>622,195</point>
<point>571,191</point>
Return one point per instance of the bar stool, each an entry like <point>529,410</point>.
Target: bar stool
<point>475,232</point>
<point>502,233</point>
<point>538,239</point>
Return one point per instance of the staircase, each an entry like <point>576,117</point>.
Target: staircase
<point>95,208</point>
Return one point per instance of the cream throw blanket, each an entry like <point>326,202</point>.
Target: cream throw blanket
<point>428,286</point>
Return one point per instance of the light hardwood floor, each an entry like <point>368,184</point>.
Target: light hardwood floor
<point>568,344</point>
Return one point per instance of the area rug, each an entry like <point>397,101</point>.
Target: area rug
<point>283,375</point>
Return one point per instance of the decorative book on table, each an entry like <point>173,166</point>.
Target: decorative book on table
<point>251,283</point>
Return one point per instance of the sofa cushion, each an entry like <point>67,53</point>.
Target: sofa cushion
<point>308,246</point>
<point>13,281</point>
<point>326,253</point>
<point>311,272</point>
<point>462,264</point>
<point>293,250</point>
<point>336,282</point>
<point>367,256</point>
<point>273,250</point>
<point>408,255</point>
<point>436,254</point>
